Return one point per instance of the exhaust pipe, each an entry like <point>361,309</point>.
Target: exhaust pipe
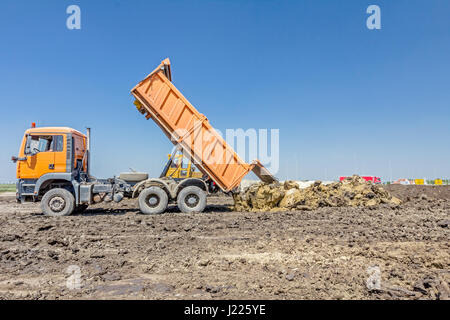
<point>88,152</point>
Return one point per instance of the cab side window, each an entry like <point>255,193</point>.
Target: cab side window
<point>184,163</point>
<point>58,143</point>
<point>44,144</point>
<point>174,163</point>
<point>38,144</point>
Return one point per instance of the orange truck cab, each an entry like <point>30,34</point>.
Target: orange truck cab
<point>51,150</point>
<point>53,167</point>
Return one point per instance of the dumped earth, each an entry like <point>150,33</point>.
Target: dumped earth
<point>375,252</point>
<point>351,192</point>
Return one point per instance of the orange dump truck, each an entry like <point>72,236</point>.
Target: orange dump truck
<point>53,164</point>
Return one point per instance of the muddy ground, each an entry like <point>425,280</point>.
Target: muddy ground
<point>328,253</point>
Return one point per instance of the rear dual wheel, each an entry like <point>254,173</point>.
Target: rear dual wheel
<point>154,200</point>
<point>191,199</point>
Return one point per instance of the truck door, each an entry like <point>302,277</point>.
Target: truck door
<point>59,150</point>
<point>40,157</point>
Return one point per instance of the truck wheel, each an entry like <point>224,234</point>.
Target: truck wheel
<point>191,199</point>
<point>58,202</point>
<point>153,200</point>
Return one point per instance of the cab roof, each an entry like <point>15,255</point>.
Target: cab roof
<point>52,130</point>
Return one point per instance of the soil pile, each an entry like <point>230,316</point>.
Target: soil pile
<point>351,192</point>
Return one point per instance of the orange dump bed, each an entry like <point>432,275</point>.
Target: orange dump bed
<point>157,98</point>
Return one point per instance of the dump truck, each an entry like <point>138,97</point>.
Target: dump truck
<point>53,165</point>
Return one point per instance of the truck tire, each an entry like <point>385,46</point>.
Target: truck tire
<point>58,202</point>
<point>133,176</point>
<point>153,200</point>
<point>191,199</point>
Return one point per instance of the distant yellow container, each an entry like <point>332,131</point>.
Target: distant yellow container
<point>419,181</point>
<point>438,182</point>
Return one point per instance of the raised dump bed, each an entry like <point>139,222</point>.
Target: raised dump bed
<point>157,98</point>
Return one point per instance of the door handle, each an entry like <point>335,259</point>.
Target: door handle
<point>51,166</point>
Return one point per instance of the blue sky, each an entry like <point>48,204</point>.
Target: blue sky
<point>345,98</point>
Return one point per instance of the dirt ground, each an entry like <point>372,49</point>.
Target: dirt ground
<point>113,252</point>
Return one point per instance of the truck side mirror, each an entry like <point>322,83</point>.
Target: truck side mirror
<point>15,159</point>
